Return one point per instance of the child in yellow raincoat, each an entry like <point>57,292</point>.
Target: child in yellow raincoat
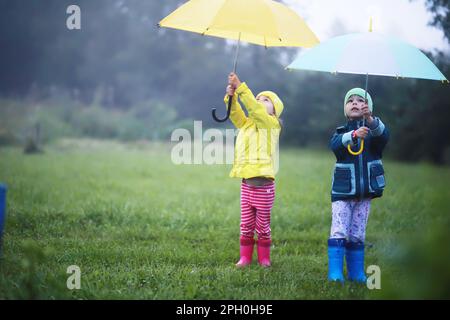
<point>256,152</point>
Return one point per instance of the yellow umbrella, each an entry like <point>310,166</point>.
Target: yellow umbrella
<point>263,22</point>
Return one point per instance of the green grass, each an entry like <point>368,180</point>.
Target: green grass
<point>140,227</point>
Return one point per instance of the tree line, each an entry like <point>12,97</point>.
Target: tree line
<point>122,76</point>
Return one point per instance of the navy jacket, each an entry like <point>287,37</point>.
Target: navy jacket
<point>362,176</point>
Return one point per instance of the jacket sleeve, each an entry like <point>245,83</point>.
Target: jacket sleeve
<point>336,144</point>
<point>256,111</point>
<point>380,136</point>
<point>237,115</point>
<point>340,140</point>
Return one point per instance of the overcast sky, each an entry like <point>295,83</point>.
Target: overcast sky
<point>404,19</point>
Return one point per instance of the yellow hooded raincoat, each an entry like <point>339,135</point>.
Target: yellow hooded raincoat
<point>256,149</point>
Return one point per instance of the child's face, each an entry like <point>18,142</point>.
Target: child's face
<point>267,103</point>
<point>354,107</point>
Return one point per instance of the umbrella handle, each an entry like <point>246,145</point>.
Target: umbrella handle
<point>228,112</point>
<point>357,153</point>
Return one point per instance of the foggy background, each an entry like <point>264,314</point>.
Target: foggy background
<point>121,77</point>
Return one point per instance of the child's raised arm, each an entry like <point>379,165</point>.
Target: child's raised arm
<point>256,111</point>
<point>237,116</point>
<point>379,135</point>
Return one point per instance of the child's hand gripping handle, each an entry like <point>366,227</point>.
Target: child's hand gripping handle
<point>233,83</point>
<point>360,133</point>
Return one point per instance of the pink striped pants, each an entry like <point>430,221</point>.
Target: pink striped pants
<point>256,203</point>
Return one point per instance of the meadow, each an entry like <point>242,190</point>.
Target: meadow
<point>140,227</point>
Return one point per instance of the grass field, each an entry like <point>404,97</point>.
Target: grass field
<point>140,227</point>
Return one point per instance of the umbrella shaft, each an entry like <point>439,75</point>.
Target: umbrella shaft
<point>365,95</point>
<point>237,54</point>
<point>367,85</point>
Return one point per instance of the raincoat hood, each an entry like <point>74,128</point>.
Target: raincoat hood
<point>276,101</point>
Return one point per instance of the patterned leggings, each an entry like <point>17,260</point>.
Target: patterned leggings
<point>350,219</point>
<point>256,203</point>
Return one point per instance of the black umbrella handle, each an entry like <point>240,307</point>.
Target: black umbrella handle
<point>228,112</point>
<point>229,97</point>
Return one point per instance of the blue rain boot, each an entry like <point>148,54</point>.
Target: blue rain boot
<point>354,254</point>
<point>336,249</point>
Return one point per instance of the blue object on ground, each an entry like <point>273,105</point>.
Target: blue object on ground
<point>2,208</point>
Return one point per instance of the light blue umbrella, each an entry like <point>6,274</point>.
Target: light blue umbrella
<point>369,54</point>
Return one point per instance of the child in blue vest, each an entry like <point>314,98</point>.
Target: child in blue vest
<point>356,181</point>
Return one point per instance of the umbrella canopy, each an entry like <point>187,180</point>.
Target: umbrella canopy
<point>369,54</point>
<point>262,22</point>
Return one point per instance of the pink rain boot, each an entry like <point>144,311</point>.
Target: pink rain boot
<point>246,251</point>
<point>264,252</point>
